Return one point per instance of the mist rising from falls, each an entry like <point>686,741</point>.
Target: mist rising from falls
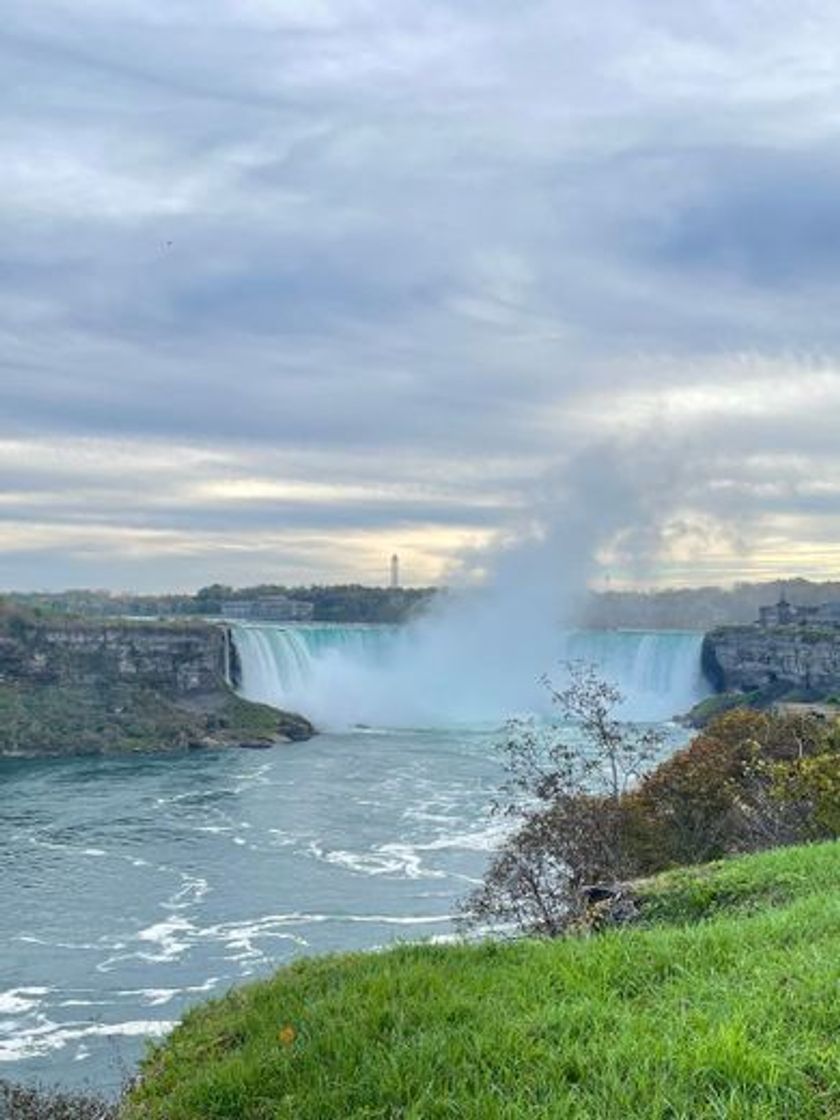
<point>340,676</point>
<point>478,655</point>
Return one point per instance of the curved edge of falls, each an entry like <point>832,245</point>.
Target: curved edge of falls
<point>380,676</point>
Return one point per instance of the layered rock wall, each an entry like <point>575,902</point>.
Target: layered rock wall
<point>176,659</point>
<point>754,658</point>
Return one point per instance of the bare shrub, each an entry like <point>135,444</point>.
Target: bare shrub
<point>21,1102</point>
<point>568,792</point>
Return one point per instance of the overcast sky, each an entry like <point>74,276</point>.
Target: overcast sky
<point>289,285</point>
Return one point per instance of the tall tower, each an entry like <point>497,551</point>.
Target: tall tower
<point>395,572</point>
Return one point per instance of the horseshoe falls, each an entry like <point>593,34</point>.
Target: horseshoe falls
<point>344,676</point>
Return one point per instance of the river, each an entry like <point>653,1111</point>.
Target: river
<point>134,887</point>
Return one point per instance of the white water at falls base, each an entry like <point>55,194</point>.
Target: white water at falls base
<point>344,676</point>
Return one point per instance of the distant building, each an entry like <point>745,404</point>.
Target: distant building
<point>269,608</point>
<point>395,572</point>
<point>780,614</point>
<point>783,614</point>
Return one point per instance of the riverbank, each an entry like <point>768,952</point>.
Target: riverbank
<point>723,1002</point>
<point>77,686</point>
<point>794,667</point>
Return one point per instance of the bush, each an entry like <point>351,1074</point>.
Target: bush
<point>596,813</point>
<point>813,786</point>
<point>725,792</point>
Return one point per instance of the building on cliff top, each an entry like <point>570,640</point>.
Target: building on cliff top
<point>268,608</point>
<point>783,614</point>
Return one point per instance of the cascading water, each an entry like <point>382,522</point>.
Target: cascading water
<point>658,672</point>
<point>389,677</point>
<point>284,664</point>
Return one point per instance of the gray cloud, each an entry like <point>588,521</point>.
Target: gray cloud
<point>441,242</point>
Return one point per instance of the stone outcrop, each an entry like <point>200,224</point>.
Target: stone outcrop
<point>781,659</point>
<point>605,906</point>
<point>177,659</point>
<point>79,687</point>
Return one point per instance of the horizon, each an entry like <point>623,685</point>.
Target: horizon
<point>781,584</point>
<point>290,287</point>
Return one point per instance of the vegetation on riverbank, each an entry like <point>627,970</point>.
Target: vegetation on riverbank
<point>721,1004</point>
<point>597,812</point>
<point>344,603</point>
<point>54,719</point>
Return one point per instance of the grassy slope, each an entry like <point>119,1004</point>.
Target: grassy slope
<point>734,1015</point>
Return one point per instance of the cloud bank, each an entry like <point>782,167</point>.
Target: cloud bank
<point>288,286</point>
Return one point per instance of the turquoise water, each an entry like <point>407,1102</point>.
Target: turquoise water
<point>135,887</point>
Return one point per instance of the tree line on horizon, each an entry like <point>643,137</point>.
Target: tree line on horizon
<point>341,603</point>
<point>688,608</point>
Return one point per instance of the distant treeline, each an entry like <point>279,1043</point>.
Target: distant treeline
<point>701,608</point>
<point>342,603</point>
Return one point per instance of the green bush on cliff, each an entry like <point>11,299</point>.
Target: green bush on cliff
<point>77,719</point>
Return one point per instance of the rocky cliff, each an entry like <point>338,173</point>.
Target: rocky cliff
<point>782,659</point>
<point>76,686</point>
<point>178,659</point>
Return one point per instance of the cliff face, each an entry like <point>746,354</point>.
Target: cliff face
<point>178,660</point>
<point>77,687</point>
<point>794,658</point>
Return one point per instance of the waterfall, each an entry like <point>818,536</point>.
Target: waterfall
<point>385,676</point>
<point>281,664</point>
<point>659,672</point>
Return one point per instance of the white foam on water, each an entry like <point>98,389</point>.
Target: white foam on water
<point>36,1042</point>
<point>18,1001</point>
<point>158,997</point>
<point>393,859</point>
<point>170,937</point>
<point>481,840</point>
<point>192,891</point>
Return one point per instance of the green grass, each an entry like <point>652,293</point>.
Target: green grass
<point>713,706</point>
<point>740,886</point>
<point>727,1006</point>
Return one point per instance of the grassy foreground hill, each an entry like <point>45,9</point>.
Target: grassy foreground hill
<point>724,1003</point>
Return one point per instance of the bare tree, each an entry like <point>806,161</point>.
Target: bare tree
<point>565,788</point>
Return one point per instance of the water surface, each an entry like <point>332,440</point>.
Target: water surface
<point>133,887</point>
